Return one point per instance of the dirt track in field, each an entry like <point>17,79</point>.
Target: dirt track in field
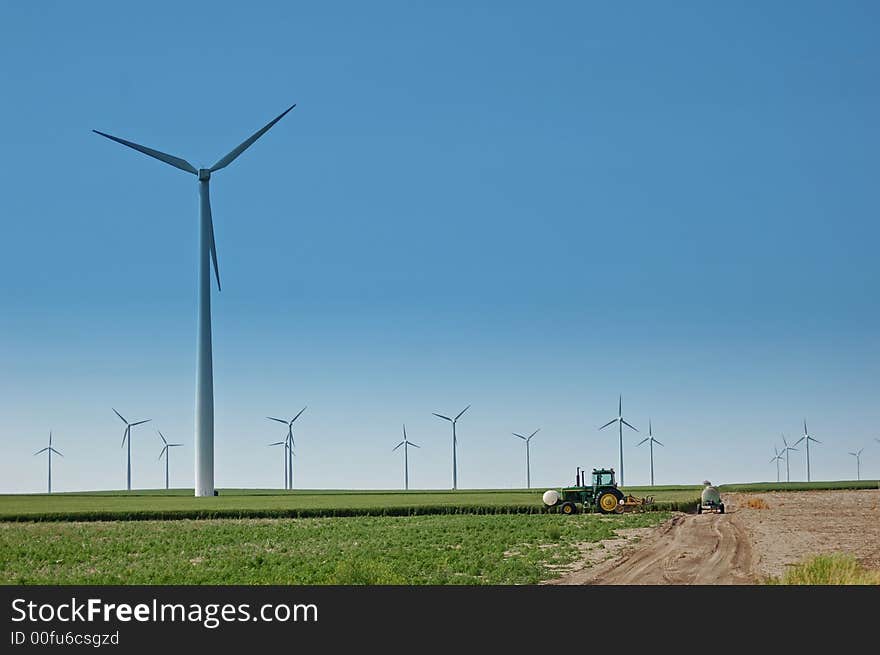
<point>748,543</point>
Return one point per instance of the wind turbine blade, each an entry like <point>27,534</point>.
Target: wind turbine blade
<point>272,418</point>
<point>42,450</point>
<point>50,437</point>
<point>397,446</point>
<point>798,441</point>
<point>162,452</point>
<point>413,444</point>
<point>816,440</point>
<point>120,416</point>
<point>462,412</point>
<point>228,159</point>
<point>441,416</point>
<point>614,420</point>
<point>620,405</point>
<point>643,441</point>
<point>177,162</point>
<point>298,414</point>
<point>278,443</point>
<point>56,452</point>
<point>141,422</point>
<point>519,435</point>
<point>163,437</point>
<point>125,435</point>
<point>628,425</point>
<point>213,245</point>
<point>174,444</point>
<point>658,443</point>
<point>534,433</point>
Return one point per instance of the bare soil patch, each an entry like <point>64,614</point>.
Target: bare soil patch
<point>759,536</point>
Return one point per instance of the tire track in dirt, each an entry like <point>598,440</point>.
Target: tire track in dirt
<point>688,549</point>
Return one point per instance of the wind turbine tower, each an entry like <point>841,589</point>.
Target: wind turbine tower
<point>807,438</point>
<point>126,439</point>
<point>204,403</point>
<point>49,449</point>
<point>528,441</point>
<point>777,458</point>
<point>787,449</point>
<point>406,443</point>
<point>454,421</point>
<point>288,447</point>
<point>166,451</point>
<point>858,456</point>
<point>620,423</point>
<point>651,441</point>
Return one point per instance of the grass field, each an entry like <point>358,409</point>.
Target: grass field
<point>460,549</point>
<point>270,503</point>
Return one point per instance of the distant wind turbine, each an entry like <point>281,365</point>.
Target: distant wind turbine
<point>778,458</point>
<point>787,449</point>
<point>620,423</point>
<point>528,441</point>
<point>204,410</point>
<point>807,438</point>
<point>406,443</point>
<point>284,457</point>
<point>166,450</point>
<point>126,437</point>
<point>49,449</point>
<point>288,466</point>
<point>454,421</point>
<point>858,456</point>
<point>651,441</point>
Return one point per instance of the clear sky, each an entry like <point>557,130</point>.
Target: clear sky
<point>531,208</point>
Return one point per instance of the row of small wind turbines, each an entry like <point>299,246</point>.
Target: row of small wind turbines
<point>783,455</point>
<point>288,444</point>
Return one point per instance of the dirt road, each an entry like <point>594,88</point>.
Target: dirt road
<point>760,535</point>
<point>689,549</point>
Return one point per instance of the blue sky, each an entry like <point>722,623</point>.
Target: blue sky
<point>528,209</point>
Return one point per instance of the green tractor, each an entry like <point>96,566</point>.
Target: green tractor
<point>601,495</point>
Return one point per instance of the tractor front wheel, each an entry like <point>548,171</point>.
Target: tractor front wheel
<point>568,508</point>
<point>721,508</point>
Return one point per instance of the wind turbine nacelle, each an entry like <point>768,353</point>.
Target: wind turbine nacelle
<point>204,174</point>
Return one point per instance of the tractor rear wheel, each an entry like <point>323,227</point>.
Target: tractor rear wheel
<point>607,501</point>
<point>568,508</point>
<point>699,508</point>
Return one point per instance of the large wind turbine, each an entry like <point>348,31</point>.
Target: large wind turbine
<point>528,441</point>
<point>126,437</point>
<point>406,443</point>
<point>651,441</point>
<point>808,438</point>
<point>288,443</point>
<point>787,449</point>
<point>49,449</point>
<point>454,444</point>
<point>777,458</point>
<point>204,410</point>
<point>620,423</point>
<point>166,450</point>
<point>858,456</point>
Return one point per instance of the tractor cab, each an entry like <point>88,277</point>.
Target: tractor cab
<point>603,478</point>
